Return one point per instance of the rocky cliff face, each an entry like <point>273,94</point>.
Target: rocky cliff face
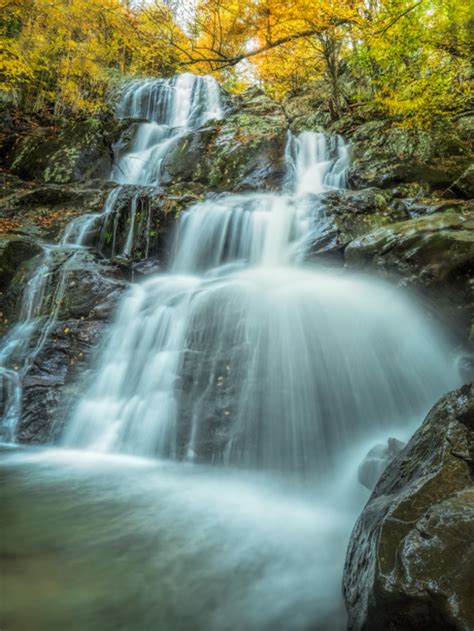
<point>409,562</point>
<point>395,224</point>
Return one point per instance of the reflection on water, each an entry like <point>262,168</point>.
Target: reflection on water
<point>106,542</point>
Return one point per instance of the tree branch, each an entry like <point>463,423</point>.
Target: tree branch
<point>225,62</point>
<point>398,17</point>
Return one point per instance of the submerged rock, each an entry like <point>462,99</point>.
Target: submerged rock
<point>376,460</point>
<point>410,561</point>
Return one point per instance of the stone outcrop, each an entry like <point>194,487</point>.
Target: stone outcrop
<point>384,155</point>
<point>80,297</point>
<point>410,563</point>
<point>76,151</point>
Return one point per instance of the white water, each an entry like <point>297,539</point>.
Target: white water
<point>168,109</point>
<point>239,355</point>
<point>171,107</point>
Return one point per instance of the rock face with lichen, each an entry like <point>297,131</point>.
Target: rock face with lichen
<point>384,155</point>
<point>410,564</point>
<point>77,151</point>
<point>392,225</point>
<point>245,151</point>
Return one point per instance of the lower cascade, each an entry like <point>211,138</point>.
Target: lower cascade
<point>241,354</point>
<point>207,475</point>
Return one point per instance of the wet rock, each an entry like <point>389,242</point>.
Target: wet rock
<point>247,152</point>
<point>139,226</point>
<point>82,294</point>
<point>376,461</point>
<point>409,564</point>
<point>14,251</point>
<point>53,383</point>
<point>347,215</point>
<point>76,151</point>
<point>384,155</point>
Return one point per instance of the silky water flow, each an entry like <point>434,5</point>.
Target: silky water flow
<point>209,475</point>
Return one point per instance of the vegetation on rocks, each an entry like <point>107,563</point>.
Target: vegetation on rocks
<point>393,78</point>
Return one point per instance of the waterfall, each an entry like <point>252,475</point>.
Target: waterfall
<point>167,109</point>
<point>241,354</point>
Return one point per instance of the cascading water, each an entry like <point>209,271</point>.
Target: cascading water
<point>167,109</point>
<point>239,355</point>
<point>243,355</point>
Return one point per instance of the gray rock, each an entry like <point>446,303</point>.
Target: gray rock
<point>376,461</point>
<point>410,561</point>
<point>385,155</point>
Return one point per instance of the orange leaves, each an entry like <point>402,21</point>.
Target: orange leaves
<point>66,52</point>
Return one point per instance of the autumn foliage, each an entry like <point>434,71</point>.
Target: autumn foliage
<point>407,59</point>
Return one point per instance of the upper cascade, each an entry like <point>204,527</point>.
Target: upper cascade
<point>185,100</point>
<point>316,162</point>
<point>168,109</point>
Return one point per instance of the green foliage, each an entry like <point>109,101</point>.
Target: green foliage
<point>412,60</point>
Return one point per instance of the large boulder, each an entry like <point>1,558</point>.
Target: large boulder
<point>247,153</point>
<point>73,151</point>
<point>384,155</point>
<point>410,561</point>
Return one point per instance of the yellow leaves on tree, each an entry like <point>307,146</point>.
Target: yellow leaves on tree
<point>65,52</point>
<point>406,58</point>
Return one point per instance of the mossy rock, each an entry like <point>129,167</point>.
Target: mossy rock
<point>425,250</point>
<point>384,155</point>
<point>76,151</point>
<point>248,150</point>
